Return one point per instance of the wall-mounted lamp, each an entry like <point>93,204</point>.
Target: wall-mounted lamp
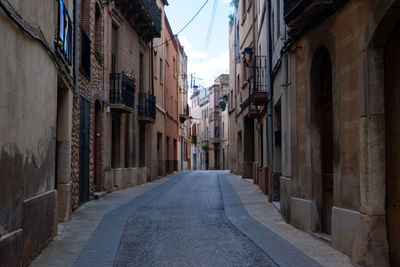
<point>247,55</point>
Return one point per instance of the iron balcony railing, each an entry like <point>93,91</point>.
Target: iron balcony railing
<point>122,90</point>
<point>153,11</point>
<point>144,15</point>
<point>147,105</point>
<point>185,110</point>
<point>303,15</point>
<point>261,73</point>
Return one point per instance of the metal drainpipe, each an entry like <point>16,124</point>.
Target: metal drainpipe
<point>236,44</point>
<point>269,86</point>
<point>76,45</point>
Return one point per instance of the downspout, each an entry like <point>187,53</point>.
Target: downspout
<point>254,63</point>
<point>76,45</point>
<point>152,67</point>
<point>236,44</point>
<point>269,88</point>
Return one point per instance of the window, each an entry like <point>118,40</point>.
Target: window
<point>64,36</point>
<point>278,17</point>
<point>141,74</point>
<point>174,62</point>
<point>85,52</point>
<point>231,102</point>
<point>161,70</point>
<point>114,48</point>
<point>223,129</point>
<point>273,27</point>
<point>244,7</point>
<point>216,131</point>
<point>98,34</point>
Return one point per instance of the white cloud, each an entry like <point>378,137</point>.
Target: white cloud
<point>192,54</point>
<point>210,68</point>
<point>205,68</point>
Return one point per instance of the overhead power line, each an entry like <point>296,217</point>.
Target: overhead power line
<point>187,24</point>
<point>210,27</point>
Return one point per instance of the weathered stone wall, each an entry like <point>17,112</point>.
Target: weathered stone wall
<point>354,38</point>
<point>91,88</point>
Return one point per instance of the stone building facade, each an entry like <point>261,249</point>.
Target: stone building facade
<point>158,148</point>
<point>130,103</point>
<point>87,126</point>
<point>244,36</point>
<point>216,124</point>
<point>37,88</point>
<point>324,133</point>
<point>199,121</point>
<point>183,110</point>
<point>94,112</point>
<point>171,100</point>
<point>343,86</point>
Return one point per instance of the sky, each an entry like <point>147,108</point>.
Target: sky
<point>205,62</point>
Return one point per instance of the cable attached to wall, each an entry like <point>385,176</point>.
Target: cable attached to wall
<point>28,28</point>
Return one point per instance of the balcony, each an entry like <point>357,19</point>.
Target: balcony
<point>253,113</point>
<point>122,92</point>
<point>184,114</point>
<point>147,107</point>
<point>259,94</point>
<point>303,15</point>
<point>214,115</point>
<point>143,15</point>
<point>204,144</point>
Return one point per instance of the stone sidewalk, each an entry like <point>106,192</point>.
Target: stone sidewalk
<point>258,207</point>
<point>74,235</point>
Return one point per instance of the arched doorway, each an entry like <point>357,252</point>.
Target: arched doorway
<point>97,147</point>
<point>392,121</point>
<point>322,121</point>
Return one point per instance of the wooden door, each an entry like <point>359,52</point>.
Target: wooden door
<point>327,162</point>
<point>392,101</point>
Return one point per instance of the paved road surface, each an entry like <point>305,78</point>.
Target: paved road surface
<point>190,219</point>
<point>186,226</point>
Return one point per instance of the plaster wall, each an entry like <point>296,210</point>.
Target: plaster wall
<point>171,98</point>
<point>29,88</point>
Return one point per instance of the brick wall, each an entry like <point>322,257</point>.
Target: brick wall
<point>91,88</point>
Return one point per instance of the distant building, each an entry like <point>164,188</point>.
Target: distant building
<point>183,107</point>
<point>217,141</point>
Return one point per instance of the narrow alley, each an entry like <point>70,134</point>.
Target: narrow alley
<point>201,218</point>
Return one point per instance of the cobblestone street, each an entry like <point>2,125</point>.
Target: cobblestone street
<point>187,219</point>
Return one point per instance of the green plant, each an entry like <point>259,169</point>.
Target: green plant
<point>235,3</point>
<point>100,56</point>
<point>231,18</point>
<point>193,139</point>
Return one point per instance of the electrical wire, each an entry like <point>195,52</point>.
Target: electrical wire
<point>207,41</point>
<point>187,24</point>
<point>27,27</point>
